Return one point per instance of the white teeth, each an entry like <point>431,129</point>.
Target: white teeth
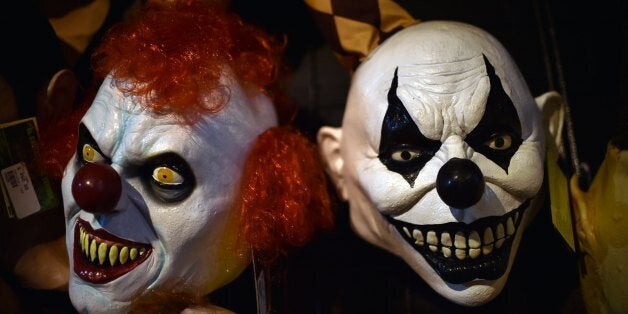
<point>499,233</point>
<point>407,232</point>
<point>487,249</point>
<point>510,226</point>
<point>488,236</point>
<point>445,239</point>
<point>465,243</point>
<point>418,237</point>
<point>461,254</point>
<point>474,240</point>
<point>431,238</point>
<point>446,251</point>
<point>460,241</point>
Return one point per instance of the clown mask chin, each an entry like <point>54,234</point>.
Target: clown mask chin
<point>440,156</point>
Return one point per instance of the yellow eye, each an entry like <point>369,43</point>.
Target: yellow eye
<point>91,155</point>
<point>404,155</point>
<point>167,176</point>
<point>500,142</point>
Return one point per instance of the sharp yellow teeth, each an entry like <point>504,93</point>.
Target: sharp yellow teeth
<point>85,245</point>
<point>92,250</point>
<point>124,255</point>
<point>113,255</point>
<point>81,239</point>
<point>102,253</point>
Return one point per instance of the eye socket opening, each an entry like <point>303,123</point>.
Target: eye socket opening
<point>169,177</point>
<point>500,141</point>
<point>406,154</point>
<point>405,158</point>
<point>90,154</point>
<point>87,150</point>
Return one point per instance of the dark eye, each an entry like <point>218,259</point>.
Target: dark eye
<point>500,141</point>
<point>170,177</point>
<point>405,155</point>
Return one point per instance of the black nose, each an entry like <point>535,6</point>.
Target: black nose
<point>460,183</point>
<point>96,188</point>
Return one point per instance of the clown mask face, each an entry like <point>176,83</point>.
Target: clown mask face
<point>148,199</point>
<point>440,156</point>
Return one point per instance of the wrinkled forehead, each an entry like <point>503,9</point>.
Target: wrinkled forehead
<point>437,62</point>
<point>117,118</point>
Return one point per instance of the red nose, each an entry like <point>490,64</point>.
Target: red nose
<point>96,188</point>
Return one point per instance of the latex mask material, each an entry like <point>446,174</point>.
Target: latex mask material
<point>440,156</point>
<point>148,200</point>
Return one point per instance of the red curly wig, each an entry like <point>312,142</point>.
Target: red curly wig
<point>171,55</point>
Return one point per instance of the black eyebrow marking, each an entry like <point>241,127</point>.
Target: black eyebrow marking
<point>500,117</point>
<point>85,137</point>
<point>399,132</point>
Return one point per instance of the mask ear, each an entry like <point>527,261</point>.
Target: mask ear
<point>60,96</point>
<point>329,144</point>
<point>552,107</point>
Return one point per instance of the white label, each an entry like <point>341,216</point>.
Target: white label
<point>20,189</point>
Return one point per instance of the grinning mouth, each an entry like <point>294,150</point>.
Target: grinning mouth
<point>461,252</point>
<point>100,257</point>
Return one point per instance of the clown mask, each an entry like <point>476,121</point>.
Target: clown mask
<point>160,219</point>
<point>440,156</point>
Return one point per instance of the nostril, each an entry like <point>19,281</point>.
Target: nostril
<point>460,183</point>
<point>96,188</point>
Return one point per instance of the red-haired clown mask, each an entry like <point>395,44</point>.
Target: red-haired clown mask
<point>162,216</point>
<point>440,156</point>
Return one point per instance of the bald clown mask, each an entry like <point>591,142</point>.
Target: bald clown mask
<point>154,195</point>
<point>440,156</point>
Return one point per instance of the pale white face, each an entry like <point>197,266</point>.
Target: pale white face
<point>172,226</point>
<point>440,156</point>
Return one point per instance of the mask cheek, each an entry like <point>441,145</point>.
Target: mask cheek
<point>525,172</point>
<point>388,191</point>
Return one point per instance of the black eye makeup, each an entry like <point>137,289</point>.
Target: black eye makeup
<point>498,134</point>
<point>169,177</point>
<point>403,148</point>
